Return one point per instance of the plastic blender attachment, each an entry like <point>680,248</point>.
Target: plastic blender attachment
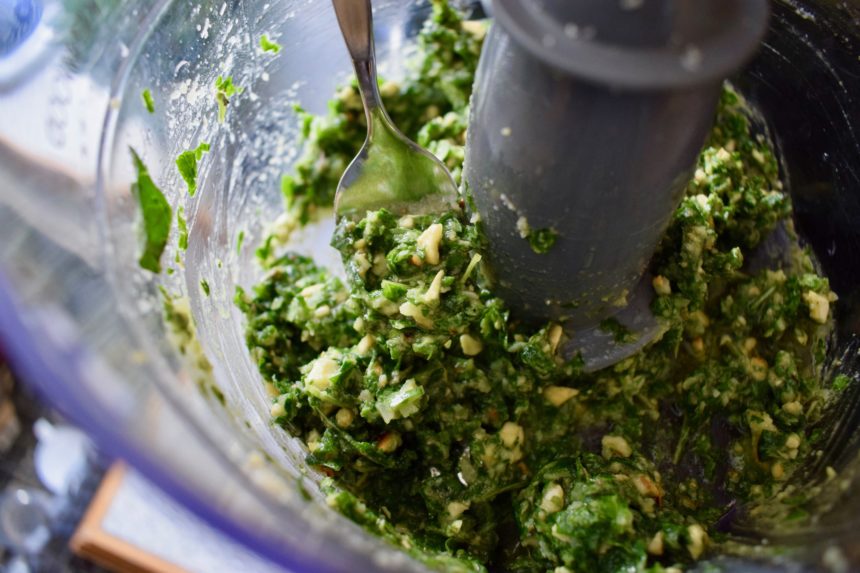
<point>586,124</point>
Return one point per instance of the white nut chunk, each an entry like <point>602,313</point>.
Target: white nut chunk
<point>365,345</point>
<point>429,241</point>
<point>819,306</point>
<point>415,312</point>
<point>471,346</point>
<point>512,435</point>
<point>553,498</point>
<point>319,377</point>
<point>558,395</point>
<point>344,417</point>
<point>434,291</point>
<point>661,285</point>
<point>278,408</point>
<point>655,546</point>
<point>615,446</point>
<point>698,539</point>
<point>554,334</point>
<point>457,508</point>
<point>389,442</point>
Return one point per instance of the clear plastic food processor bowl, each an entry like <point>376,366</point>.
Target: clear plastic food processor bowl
<point>83,322</point>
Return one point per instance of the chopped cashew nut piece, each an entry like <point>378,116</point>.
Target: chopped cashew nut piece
<point>321,372</point>
<point>429,241</point>
<point>457,508</point>
<point>553,499</point>
<point>435,289</point>
<point>819,306</point>
<point>365,344</point>
<point>661,285</point>
<point>512,434</point>
<point>555,332</point>
<point>655,546</point>
<point>417,314</point>
<point>698,538</point>
<point>344,417</point>
<point>615,445</point>
<point>558,395</point>
<point>389,442</point>
<point>471,346</point>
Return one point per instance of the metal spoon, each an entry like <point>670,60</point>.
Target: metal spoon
<point>389,171</point>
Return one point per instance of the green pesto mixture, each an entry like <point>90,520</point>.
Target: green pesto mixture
<point>463,437</point>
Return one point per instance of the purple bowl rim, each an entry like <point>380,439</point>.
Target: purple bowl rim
<point>18,344</point>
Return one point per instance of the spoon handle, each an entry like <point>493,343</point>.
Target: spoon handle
<point>356,24</point>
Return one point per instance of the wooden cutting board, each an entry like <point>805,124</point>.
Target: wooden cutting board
<point>133,527</point>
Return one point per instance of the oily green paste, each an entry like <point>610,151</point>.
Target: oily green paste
<point>463,437</point>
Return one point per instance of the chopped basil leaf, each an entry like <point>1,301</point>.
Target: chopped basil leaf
<point>148,101</point>
<point>186,163</point>
<point>268,45</point>
<point>156,216</point>
<point>542,240</point>
<point>182,225</point>
<point>224,90</point>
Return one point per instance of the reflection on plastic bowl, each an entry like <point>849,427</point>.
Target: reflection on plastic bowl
<point>18,19</point>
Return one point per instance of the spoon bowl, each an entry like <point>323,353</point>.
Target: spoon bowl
<point>390,171</point>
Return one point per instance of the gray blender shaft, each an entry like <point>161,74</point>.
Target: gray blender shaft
<point>587,118</point>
